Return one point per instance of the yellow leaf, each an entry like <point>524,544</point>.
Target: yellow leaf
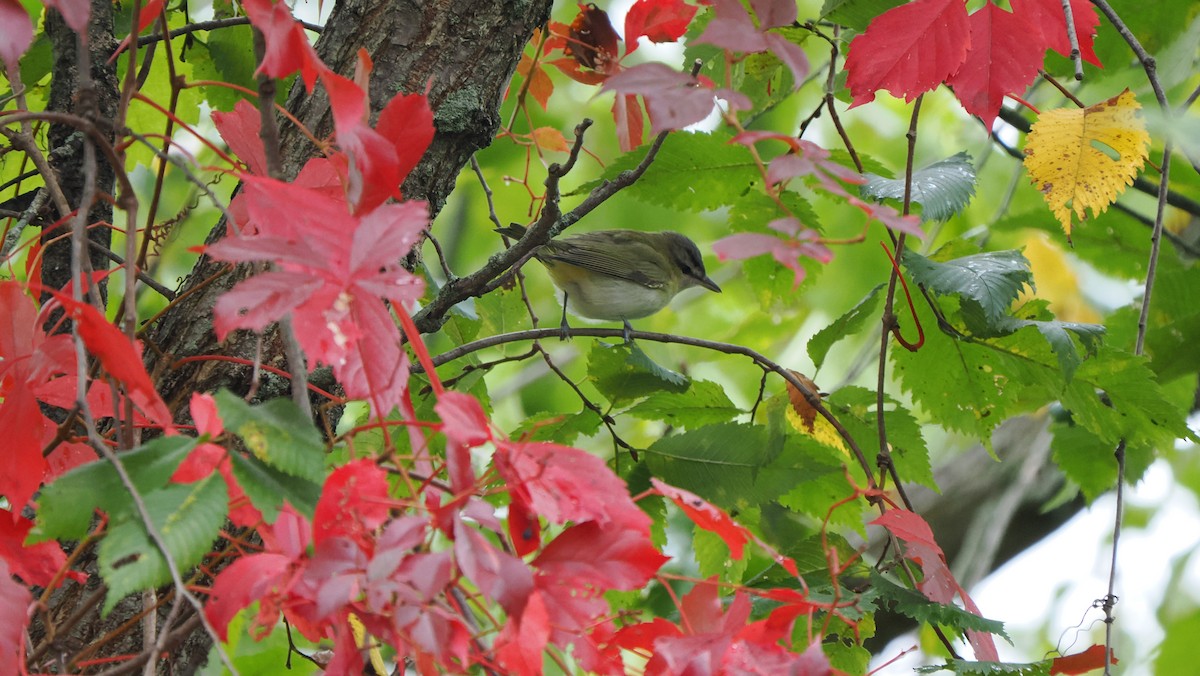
<point>1083,159</point>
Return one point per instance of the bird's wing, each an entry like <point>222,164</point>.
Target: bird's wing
<point>595,252</point>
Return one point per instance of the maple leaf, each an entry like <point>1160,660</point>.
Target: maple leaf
<point>334,270</point>
<point>240,128</point>
<point>908,50</point>
<point>16,32</point>
<point>1084,158</point>
<point>1047,19</point>
<point>674,99</point>
<point>498,575</point>
<point>998,62</point>
<point>288,49</point>
<point>522,641</point>
<point>657,20</point>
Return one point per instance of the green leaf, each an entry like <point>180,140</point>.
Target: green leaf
<point>692,172</point>
<point>189,519</point>
<point>847,325</point>
<point>503,311</point>
<point>855,407</point>
<point>712,557</point>
<point>268,488</point>
<point>992,279</point>
<point>65,507</point>
<point>1056,333</point>
<point>624,373</point>
<point>226,55</point>
<point>276,432</point>
<point>1084,459</point>
<point>723,463</point>
<point>558,427</point>
<point>855,14</point>
<point>972,386</point>
<point>913,604</point>
<point>704,403</point>
<point>944,188</point>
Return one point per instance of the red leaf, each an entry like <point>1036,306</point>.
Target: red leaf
<point>523,527</point>
<point>567,484</point>
<point>774,13</point>
<point>22,467</point>
<point>658,20</point>
<point>708,517</point>
<point>641,637</point>
<point>119,357</point>
<point>587,555</point>
<point>1081,663</point>
<point>908,50</point>
<point>354,502</point>
<point>374,166</point>
<point>1047,19</point>
<point>76,13</point>
<point>463,419</point>
<point>147,15</point>
<point>801,242</point>
<point>732,28</point>
<point>288,49</point>
<point>499,576</point>
<point>407,121</point>
<point>14,606</point>
<point>1000,61</point>
<point>257,302</point>
<point>16,32</point>
<point>240,130</point>
<point>520,645</point>
<point>36,565</point>
<point>939,584</point>
<point>246,580</point>
<point>673,99</point>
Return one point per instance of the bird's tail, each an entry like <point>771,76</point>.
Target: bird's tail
<point>514,230</point>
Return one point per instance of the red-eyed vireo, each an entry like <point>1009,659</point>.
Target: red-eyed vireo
<point>618,275</point>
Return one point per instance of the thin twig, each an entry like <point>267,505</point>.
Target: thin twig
<point>213,25</point>
<point>1073,38</point>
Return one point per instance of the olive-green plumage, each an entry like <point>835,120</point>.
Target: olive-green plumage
<point>618,275</point>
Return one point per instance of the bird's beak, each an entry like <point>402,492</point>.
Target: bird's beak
<point>708,284</point>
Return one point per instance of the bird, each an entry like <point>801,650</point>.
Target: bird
<point>619,275</point>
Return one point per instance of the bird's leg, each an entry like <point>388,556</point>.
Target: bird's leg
<point>564,329</point>
<point>627,331</point>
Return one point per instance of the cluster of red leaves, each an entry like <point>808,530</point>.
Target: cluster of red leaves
<point>984,56</point>
<point>672,99</point>
<point>367,556</point>
<point>337,259</point>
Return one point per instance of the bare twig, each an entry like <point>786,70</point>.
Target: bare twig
<point>1073,38</point>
